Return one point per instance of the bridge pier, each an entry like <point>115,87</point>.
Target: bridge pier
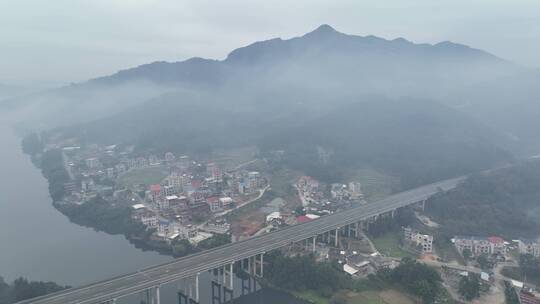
<point>249,265</point>
<point>227,294</point>
<point>351,230</point>
<point>216,286</point>
<point>158,295</point>
<point>326,237</point>
<point>230,275</point>
<point>336,238</point>
<point>153,295</point>
<point>182,298</point>
<point>248,287</point>
<point>260,263</point>
<point>186,292</point>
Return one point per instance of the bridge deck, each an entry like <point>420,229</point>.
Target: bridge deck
<point>191,265</point>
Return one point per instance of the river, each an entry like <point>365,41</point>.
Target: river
<point>38,242</point>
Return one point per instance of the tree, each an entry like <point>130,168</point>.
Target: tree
<point>303,272</point>
<point>215,241</point>
<point>22,289</point>
<point>510,294</point>
<point>467,254</point>
<point>469,287</point>
<point>5,295</point>
<point>530,265</point>
<point>483,261</point>
<point>417,278</point>
<point>300,210</point>
<point>31,144</point>
<point>182,247</point>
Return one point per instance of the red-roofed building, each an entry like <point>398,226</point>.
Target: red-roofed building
<point>155,192</point>
<point>497,245</point>
<point>495,240</point>
<point>302,219</point>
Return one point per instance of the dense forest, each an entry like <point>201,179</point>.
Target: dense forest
<point>52,167</point>
<point>101,215</point>
<point>502,202</point>
<point>22,289</point>
<point>304,273</point>
<point>416,278</point>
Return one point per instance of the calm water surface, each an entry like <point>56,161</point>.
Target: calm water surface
<point>38,242</point>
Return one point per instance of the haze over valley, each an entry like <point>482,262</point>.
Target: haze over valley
<point>327,167</point>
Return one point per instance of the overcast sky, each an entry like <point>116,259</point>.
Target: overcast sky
<point>61,41</point>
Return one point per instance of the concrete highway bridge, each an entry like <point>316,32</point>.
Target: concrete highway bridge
<point>247,254</point>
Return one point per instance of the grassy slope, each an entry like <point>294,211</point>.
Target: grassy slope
<point>388,244</point>
<point>152,175</point>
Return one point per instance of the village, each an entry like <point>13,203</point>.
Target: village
<point>182,198</point>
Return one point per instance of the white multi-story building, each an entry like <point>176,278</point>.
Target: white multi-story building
<point>480,245</point>
<point>87,184</point>
<point>175,180</point>
<point>163,204</point>
<point>253,179</point>
<point>169,190</point>
<point>529,247</point>
<point>149,221</point>
<point>163,227</point>
<point>425,241</point>
<point>92,163</point>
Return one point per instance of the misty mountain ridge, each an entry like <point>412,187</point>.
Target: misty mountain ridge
<point>322,60</point>
<point>322,44</point>
<point>310,76</point>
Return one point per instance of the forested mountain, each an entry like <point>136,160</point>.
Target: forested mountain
<point>502,202</point>
<point>329,99</point>
<point>418,140</point>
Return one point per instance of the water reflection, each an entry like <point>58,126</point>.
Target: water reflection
<point>211,291</point>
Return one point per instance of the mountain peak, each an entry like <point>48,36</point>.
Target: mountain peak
<point>323,30</point>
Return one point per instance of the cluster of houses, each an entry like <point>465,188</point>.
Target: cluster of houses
<point>197,192</point>
<point>494,245</point>
<point>361,265</point>
<point>477,246</point>
<point>352,191</point>
<point>529,247</point>
<point>190,190</point>
<point>309,190</point>
<point>312,195</point>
